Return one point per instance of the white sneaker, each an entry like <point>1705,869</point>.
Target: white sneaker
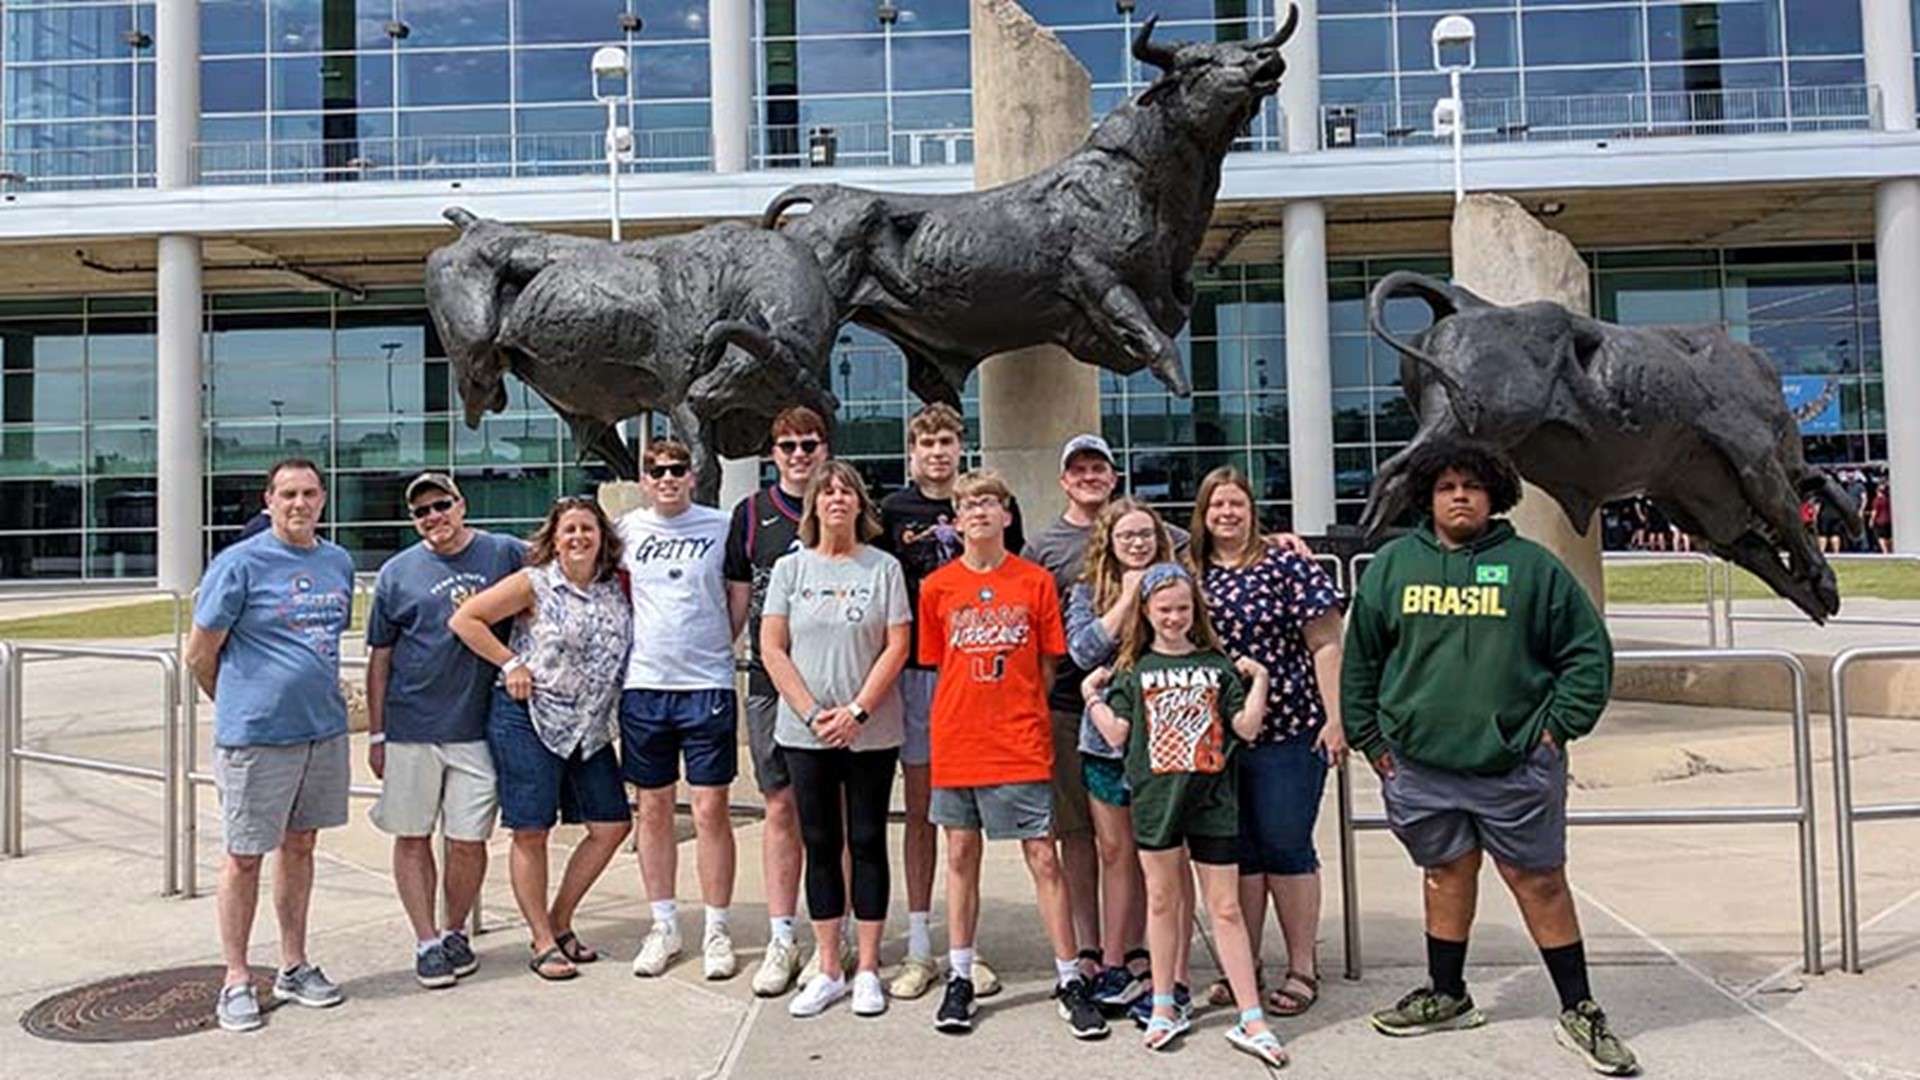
<point>717,953</point>
<point>813,999</point>
<point>869,999</point>
<point>847,957</point>
<point>777,968</point>
<point>660,948</point>
<point>916,975</point>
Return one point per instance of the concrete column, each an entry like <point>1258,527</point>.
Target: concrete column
<point>1032,106</point>
<point>177,407</point>
<point>1502,253</point>
<point>1309,347</point>
<point>1888,27</point>
<point>730,24</point>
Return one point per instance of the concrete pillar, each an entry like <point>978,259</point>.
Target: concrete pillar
<point>1309,347</point>
<point>1032,106</point>
<point>1888,30</point>
<point>177,406</point>
<point>730,24</point>
<point>1502,253</point>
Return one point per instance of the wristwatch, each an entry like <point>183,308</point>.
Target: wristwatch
<point>859,712</point>
<point>813,715</point>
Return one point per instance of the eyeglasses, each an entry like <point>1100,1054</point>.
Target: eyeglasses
<point>797,446</point>
<point>979,505</point>
<point>674,469</point>
<point>1144,536</point>
<point>437,506</point>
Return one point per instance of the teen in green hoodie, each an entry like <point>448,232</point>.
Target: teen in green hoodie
<point>1472,659</point>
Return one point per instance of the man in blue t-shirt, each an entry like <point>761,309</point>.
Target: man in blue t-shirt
<point>266,647</point>
<point>427,700</point>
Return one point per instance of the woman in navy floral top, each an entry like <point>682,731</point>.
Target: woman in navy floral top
<point>1283,611</point>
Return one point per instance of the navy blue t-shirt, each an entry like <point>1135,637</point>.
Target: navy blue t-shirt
<point>438,689</point>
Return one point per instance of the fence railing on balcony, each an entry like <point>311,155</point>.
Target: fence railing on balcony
<point>76,169</point>
<point>445,157</point>
<point>1610,116</point>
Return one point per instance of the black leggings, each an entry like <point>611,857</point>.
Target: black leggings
<point>822,779</point>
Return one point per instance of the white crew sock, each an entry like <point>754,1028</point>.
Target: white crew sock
<point>920,934</point>
<point>716,919</point>
<point>1066,970</point>
<point>420,947</point>
<point>961,961</point>
<point>667,913</point>
<point>782,927</point>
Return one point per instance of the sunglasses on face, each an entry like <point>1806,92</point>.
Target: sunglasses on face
<point>797,446</point>
<point>674,469</point>
<point>437,506</point>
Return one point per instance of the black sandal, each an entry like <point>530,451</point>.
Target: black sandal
<point>1285,1002</point>
<point>539,965</point>
<point>574,949</point>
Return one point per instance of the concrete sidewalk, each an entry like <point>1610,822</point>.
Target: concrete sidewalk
<point>1694,933</point>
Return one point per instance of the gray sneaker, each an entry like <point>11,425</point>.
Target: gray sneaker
<point>1426,1010</point>
<point>433,968</point>
<point>460,953</point>
<point>237,1010</point>
<point>307,985</point>
<point>1583,1029</point>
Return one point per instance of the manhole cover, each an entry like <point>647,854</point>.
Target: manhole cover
<point>135,1008</point>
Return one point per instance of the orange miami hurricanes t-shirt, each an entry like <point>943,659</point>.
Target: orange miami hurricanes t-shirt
<point>986,633</point>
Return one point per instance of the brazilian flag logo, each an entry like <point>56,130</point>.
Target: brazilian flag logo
<point>1490,575</point>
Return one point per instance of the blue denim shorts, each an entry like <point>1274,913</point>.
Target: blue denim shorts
<point>657,726</point>
<point>1280,788</point>
<point>536,783</point>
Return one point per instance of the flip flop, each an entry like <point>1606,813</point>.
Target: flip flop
<point>574,949</point>
<point>1285,1002</point>
<point>541,965</point>
<point>1264,1045</point>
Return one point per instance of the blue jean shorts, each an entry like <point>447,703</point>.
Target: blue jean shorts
<point>1280,788</point>
<point>536,783</point>
<point>658,726</point>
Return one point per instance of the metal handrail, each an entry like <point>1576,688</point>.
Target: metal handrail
<point>1706,563</point>
<point>1339,569</point>
<point>1845,812</point>
<point>1730,616</point>
<point>1801,813</point>
<point>167,775</point>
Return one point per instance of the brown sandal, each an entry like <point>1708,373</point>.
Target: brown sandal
<point>553,965</point>
<point>1220,993</point>
<point>1285,1002</point>
<point>574,949</point>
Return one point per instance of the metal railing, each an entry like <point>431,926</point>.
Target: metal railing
<point>1730,616</point>
<point>167,775</point>
<point>1800,813</point>
<point>1846,813</point>
<point>1709,575</point>
<point>1599,117</point>
<point>445,157</point>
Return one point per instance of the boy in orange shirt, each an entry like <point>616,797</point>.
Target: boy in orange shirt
<point>989,621</point>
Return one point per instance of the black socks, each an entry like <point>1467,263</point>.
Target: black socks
<point>1568,966</point>
<point>1447,966</point>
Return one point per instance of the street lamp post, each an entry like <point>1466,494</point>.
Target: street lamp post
<point>1453,53</point>
<point>610,89</point>
<point>1124,8</point>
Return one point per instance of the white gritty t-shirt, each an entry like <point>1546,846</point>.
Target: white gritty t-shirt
<point>682,636</point>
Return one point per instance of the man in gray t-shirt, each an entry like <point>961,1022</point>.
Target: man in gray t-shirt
<point>427,697</point>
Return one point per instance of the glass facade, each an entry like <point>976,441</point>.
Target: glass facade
<point>364,389</point>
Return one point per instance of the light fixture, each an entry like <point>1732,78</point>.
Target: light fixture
<point>889,14</point>
<point>631,23</point>
<point>397,30</point>
<point>1552,208</point>
<point>136,39</point>
<point>1123,7</point>
<point>609,62</point>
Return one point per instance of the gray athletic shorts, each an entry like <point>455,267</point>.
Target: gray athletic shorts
<point>267,792</point>
<point>916,699</point>
<point>769,764</point>
<point>1519,818</point>
<point>1002,811</point>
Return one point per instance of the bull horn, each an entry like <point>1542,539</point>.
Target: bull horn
<point>1145,51</point>
<point>1285,33</point>
<point>724,332</point>
<point>461,217</point>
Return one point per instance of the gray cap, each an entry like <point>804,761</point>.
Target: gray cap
<point>1085,444</point>
<point>432,481</point>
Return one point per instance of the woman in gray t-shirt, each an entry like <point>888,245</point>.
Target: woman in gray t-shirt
<point>834,635</point>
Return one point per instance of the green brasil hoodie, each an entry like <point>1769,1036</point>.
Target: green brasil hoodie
<point>1459,658</point>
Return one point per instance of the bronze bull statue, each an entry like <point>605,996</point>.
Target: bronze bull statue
<point>719,328</point>
<point>1591,412</point>
<point>1091,254</point>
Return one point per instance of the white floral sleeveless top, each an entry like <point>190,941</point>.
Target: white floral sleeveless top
<point>575,643</point>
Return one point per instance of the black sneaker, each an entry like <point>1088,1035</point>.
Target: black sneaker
<point>433,969</point>
<point>460,953</point>
<point>1078,1010</point>
<point>956,1008</point>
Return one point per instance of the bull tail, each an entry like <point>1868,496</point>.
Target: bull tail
<point>724,332</point>
<point>797,195</point>
<point>1443,299</point>
<point>462,218</point>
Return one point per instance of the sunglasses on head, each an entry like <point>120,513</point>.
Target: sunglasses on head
<point>437,506</point>
<point>672,468</point>
<point>797,446</point>
<point>575,500</point>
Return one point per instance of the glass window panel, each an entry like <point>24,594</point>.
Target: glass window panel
<point>527,439</point>
<point>122,504</point>
<point>122,449</point>
<point>524,493</point>
<point>247,340</point>
<point>380,336</point>
<point>234,499</point>
<point>254,446</point>
<point>1652,297</point>
<point>1789,293</point>
<point>1352,362</point>
<point>671,71</point>
<point>276,391</point>
<point>402,388</point>
<point>467,137</point>
<point>585,22</point>
<point>1823,28</point>
<point>1352,410</point>
<point>841,66</point>
<point>1810,348</point>
<point>831,16</point>
<point>232,26</point>
<point>412,444</point>
<point>463,22</point>
<point>933,15</point>
<point>1267,420</point>
<point>1600,36</point>
<point>125,393</point>
<point>41,398</point>
<point>934,62</point>
<point>1493,41</point>
<point>1730,30</point>
<point>1104,53</point>
<point>122,555</point>
<point>49,505</point>
<point>233,86</point>
<point>1360,46</point>
<point>453,78</point>
<point>1354,7</point>
<point>40,345</point>
<point>68,33</point>
<point>1170,479</point>
<point>1827,73</point>
<point>372,545</point>
<point>1352,472</point>
<point>1393,418</point>
<point>40,451</point>
<point>70,91</point>
<point>1581,81</point>
<point>375,496</point>
<point>48,556</point>
<point>554,75</point>
<point>1763,76</point>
